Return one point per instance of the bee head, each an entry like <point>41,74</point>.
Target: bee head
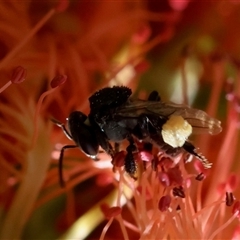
<point>83,133</point>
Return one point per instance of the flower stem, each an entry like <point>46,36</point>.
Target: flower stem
<point>38,160</point>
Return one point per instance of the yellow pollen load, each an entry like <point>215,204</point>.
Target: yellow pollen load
<point>176,131</point>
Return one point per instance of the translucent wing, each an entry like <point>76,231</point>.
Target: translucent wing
<point>199,120</point>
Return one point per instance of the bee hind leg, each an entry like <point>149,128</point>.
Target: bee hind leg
<point>192,150</point>
<point>143,129</point>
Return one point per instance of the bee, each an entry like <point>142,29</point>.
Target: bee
<point>115,116</point>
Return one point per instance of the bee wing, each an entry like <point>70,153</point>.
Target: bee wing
<point>200,121</point>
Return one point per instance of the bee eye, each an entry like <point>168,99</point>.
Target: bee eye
<point>76,116</point>
<point>83,134</point>
<point>176,131</point>
<point>89,147</point>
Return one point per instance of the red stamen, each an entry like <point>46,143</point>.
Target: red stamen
<point>199,167</point>
<point>110,212</point>
<point>5,86</point>
<point>236,233</point>
<point>187,182</point>
<point>147,193</point>
<point>142,35</point>
<point>18,75</point>
<point>229,199</point>
<point>164,179</point>
<point>230,185</point>
<point>142,66</point>
<point>146,156</point>
<point>58,80</point>
<point>175,175</point>
<point>236,208</point>
<point>178,5</point>
<point>221,188</point>
<point>164,203</point>
<point>232,182</point>
<point>104,179</point>
<point>118,159</point>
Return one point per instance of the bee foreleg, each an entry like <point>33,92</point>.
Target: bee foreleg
<point>62,126</point>
<point>60,165</point>
<point>104,143</point>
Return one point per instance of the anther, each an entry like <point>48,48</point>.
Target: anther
<point>146,156</point>
<point>201,176</point>
<point>178,192</point>
<point>18,75</point>
<point>110,212</point>
<point>164,179</point>
<point>164,203</point>
<point>229,199</point>
<point>58,80</point>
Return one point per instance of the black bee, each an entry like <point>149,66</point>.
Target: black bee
<point>114,116</point>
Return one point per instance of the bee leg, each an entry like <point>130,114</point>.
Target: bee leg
<point>116,147</point>
<point>192,150</point>
<point>104,143</point>
<point>60,165</point>
<point>187,146</point>
<point>169,150</point>
<point>154,96</point>
<point>139,131</point>
<point>130,164</point>
<point>62,126</point>
<point>107,147</point>
<point>149,123</point>
<point>144,126</point>
<point>147,146</point>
